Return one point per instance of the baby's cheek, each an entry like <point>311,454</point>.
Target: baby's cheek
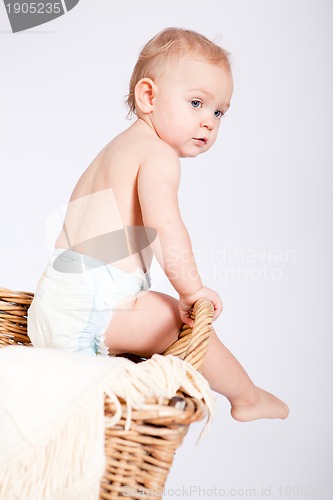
<point>214,137</point>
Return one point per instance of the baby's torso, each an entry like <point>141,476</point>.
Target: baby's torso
<point>103,217</point>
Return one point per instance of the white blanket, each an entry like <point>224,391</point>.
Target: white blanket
<point>52,415</point>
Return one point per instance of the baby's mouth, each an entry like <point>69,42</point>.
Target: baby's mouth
<point>203,140</point>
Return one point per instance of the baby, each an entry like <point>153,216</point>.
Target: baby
<point>94,295</point>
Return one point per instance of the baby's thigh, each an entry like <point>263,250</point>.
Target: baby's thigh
<point>146,326</point>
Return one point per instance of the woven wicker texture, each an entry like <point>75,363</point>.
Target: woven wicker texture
<point>138,460</point>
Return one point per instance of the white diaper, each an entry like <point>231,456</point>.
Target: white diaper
<point>75,299</point>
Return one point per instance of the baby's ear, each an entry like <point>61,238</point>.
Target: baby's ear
<point>145,92</point>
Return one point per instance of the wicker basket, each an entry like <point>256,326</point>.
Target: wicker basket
<point>138,460</point>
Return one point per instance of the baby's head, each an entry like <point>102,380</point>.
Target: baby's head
<point>181,86</point>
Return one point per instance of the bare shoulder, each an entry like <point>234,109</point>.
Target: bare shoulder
<point>159,161</point>
<point>159,146</point>
<point>158,182</point>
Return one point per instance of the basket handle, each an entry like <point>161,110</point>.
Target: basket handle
<point>192,343</point>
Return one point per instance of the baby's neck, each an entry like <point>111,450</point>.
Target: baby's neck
<point>145,125</point>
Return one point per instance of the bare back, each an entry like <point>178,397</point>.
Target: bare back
<point>105,203</point>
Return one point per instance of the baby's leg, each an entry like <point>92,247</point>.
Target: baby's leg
<point>227,376</point>
<point>151,323</point>
<point>144,325</point>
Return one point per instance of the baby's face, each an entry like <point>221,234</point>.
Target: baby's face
<point>190,104</point>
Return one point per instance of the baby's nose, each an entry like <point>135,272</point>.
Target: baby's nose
<point>208,122</point>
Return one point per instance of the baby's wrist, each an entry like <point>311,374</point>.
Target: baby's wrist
<point>188,296</point>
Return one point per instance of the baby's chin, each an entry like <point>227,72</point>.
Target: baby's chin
<point>188,153</point>
<point>194,155</point>
<point>187,150</point>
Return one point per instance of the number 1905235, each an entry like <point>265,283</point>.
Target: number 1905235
<point>34,8</point>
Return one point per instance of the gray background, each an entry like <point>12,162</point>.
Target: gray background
<point>257,206</point>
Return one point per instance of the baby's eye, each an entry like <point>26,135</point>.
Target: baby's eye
<point>218,113</point>
<point>195,103</point>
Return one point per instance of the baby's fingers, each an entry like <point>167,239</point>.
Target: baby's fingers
<point>187,320</point>
<point>185,317</point>
<point>218,308</point>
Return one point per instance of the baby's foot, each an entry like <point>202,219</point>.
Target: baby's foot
<point>260,404</point>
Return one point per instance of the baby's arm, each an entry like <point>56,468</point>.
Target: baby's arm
<point>158,182</point>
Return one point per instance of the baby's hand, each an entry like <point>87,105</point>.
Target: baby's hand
<point>186,303</point>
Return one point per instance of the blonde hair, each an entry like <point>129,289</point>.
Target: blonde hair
<point>166,46</point>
